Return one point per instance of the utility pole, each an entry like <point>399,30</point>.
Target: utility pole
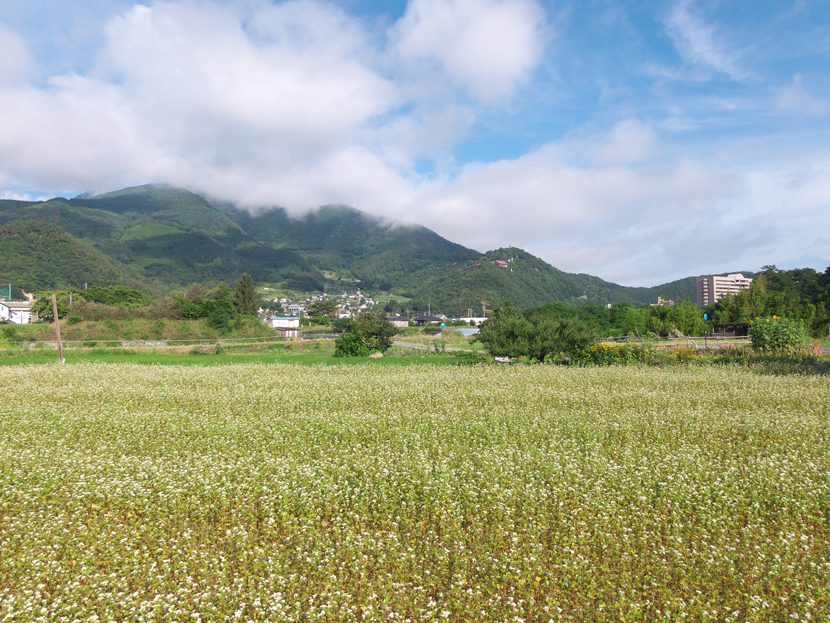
<point>57,322</point>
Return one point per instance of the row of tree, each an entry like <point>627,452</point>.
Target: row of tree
<point>218,305</point>
<point>783,306</point>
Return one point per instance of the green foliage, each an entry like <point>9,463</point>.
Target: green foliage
<point>623,354</point>
<point>39,255</point>
<point>220,316</point>
<point>244,299</point>
<point>350,344</point>
<point>116,295</point>
<point>216,305</point>
<point>507,333</point>
<point>323,311</point>
<point>538,337</point>
<point>43,304</point>
<point>777,335</point>
<point>801,294</point>
<point>367,332</point>
<point>563,341</point>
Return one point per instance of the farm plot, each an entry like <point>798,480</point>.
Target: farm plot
<point>532,493</point>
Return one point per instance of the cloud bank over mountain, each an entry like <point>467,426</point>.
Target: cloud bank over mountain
<point>640,147</point>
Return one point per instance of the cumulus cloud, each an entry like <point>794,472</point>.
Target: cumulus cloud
<point>484,46</point>
<point>575,212</point>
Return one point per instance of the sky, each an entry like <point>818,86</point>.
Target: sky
<point>637,141</point>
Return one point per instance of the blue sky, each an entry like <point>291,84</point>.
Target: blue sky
<point>638,141</point>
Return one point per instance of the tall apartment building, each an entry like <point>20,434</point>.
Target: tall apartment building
<point>712,288</point>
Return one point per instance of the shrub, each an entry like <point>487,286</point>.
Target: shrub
<point>350,344</point>
<point>776,335</point>
<point>9,332</point>
<point>606,354</point>
<point>510,333</point>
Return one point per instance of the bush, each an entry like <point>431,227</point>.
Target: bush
<point>606,354</point>
<point>776,335</point>
<point>509,333</point>
<point>367,332</point>
<point>350,344</point>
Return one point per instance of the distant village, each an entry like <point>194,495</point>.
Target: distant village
<point>285,315</point>
<point>289,314</point>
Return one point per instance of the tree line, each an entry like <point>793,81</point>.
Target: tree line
<point>785,307</point>
<point>219,305</point>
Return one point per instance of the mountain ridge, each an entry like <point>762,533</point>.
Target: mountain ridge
<point>160,236</point>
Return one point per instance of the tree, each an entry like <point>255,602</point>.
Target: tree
<point>43,304</point>
<point>350,344</point>
<point>507,333</point>
<point>244,299</point>
<point>541,337</point>
<point>323,311</point>
<point>377,332</point>
<point>367,332</point>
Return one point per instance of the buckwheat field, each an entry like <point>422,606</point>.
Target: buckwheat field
<point>530,493</point>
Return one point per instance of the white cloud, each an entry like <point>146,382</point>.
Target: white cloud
<point>293,104</point>
<point>13,195</point>
<point>698,43</point>
<point>543,197</point>
<point>484,46</point>
<point>14,59</point>
<point>201,85</point>
<point>638,222</point>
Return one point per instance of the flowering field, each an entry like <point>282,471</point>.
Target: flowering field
<point>532,493</point>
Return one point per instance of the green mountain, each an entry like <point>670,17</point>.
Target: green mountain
<point>168,236</point>
<point>516,275</point>
<point>40,255</point>
<point>351,245</point>
<point>155,237</point>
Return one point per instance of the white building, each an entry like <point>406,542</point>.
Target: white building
<point>287,326</point>
<point>712,288</point>
<point>398,321</point>
<point>17,312</point>
<point>473,320</point>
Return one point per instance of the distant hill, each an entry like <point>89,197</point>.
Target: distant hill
<point>169,236</point>
<point>154,237</point>
<point>40,255</point>
<point>351,245</point>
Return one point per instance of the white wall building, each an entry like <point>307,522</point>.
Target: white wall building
<point>712,288</point>
<point>17,312</point>
<point>288,326</point>
<point>473,320</point>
